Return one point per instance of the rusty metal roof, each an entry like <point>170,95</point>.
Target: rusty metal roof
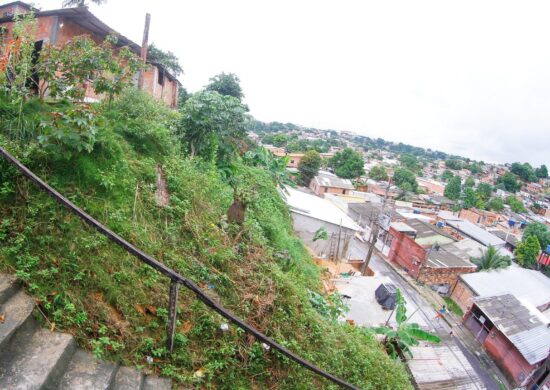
<point>521,325</point>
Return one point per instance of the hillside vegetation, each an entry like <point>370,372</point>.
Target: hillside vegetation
<point>221,223</point>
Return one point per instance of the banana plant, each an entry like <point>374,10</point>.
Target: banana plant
<point>399,341</point>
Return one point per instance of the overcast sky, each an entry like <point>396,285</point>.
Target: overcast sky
<point>466,77</point>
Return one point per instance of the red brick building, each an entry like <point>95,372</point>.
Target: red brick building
<point>57,27</point>
<point>426,253</point>
<point>514,336</point>
<point>480,217</point>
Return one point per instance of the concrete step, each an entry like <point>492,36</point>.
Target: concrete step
<point>85,372</point>
<point>156,383</point>
<point>36,362</point>
<point>8,286</point>
<point>128,379</point>
<point>16,312</point>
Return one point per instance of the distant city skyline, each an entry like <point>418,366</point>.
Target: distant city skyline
<point>468,78</point>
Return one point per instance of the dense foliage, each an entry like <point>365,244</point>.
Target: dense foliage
<point>309,166</point>
<point>405,180</point>
<point>227,84</point>
<point>347,164</point>
<point>453,188</point>
<point>540,231</point>
<point>378,173</point>
<point>165,58</point>
<point>113,165</point>
<point>527,251</point>
<point>491,259</point>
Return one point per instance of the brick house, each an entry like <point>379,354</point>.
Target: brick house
<point>482,217</point>
<point>427,253</point>
<point>516,337</point>
<point>431,186</point>
<point>294,159</point>
<point>525,284</point>
<point>326,182</point>
<point>57,27</point>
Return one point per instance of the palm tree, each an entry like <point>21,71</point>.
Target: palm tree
<point>491,259</point>
<point>399,341</point>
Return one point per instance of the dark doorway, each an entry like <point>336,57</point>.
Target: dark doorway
<point>34,81</point>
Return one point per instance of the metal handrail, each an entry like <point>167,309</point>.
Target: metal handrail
<point>175,278</point>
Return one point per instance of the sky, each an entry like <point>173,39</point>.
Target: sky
<point>470,78</point>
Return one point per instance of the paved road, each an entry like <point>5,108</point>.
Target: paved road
<point>437,326</point>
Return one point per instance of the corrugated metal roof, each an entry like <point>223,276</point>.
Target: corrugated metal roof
<point>520,324</point>
<point>475,232</point>
<point>329,180</point>
<point>442,367</point>
<point>318,208</point>
<point>534,344</point>
<point>525,284</point>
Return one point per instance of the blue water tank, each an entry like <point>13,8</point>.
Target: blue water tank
<point>511,223</point>
<point>440,224</point>
<point>548,249</point>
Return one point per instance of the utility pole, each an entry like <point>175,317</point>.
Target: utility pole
<point>338,245</point>
<point>374,232</point>
<point>144,47</point>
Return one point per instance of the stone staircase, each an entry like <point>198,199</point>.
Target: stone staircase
<point>35,358</point>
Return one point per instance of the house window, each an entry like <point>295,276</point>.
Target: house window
<point>161,77</point>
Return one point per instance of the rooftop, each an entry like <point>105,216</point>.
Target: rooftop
<point>525,284</point>
<point>326,179</point>
<point>428,234</point>
<point>312,206</point>
<point>519,324</point>
<point>445,257</point>
<point>475,232</point>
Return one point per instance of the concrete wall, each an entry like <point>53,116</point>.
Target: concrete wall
<point>305,227</point>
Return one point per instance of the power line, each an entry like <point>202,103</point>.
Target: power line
<point>173,275</point>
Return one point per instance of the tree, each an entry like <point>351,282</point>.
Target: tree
<point>470,199</point>
<point>496,204</point>
<point>525,171</point>
<point>183,96</point>
<point>165,58</point>
<point>538,230</point>
<point>309,166</point>
<point>452,189</point>
<point>527,252</point>
<point>470,182</point>
<point>80,3</point>
<point>378,173</point>
<point>400,340</point>
<point>409,161</point>
<point>212,125</point>
<point>347,164</point>
<point>474,168</point>
<point>509,181</point>
<point>542,172</point>
<point>515,204</point>
<point>69,70</point>
<point>275,166</point>
<point>447,175</point>
<point>405,179</point>
<point>227,84</point>
<point>453,164</point>
<point>491,259</point>
<point>484,191</point>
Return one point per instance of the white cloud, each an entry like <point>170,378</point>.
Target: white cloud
<point>469,77</point>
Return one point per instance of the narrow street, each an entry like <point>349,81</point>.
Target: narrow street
<point>438,326</point>
<point>423,303</point>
